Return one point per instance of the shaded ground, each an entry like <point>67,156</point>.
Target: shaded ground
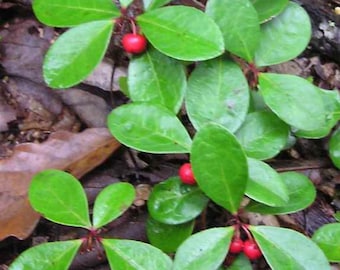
<point>31,112</point>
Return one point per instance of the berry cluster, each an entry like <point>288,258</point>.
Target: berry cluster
<point>248,247</point>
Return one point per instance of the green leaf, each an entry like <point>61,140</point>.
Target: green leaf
<point>331,100</point>
<point>181,32</point>
<point>327,237</point>
<point>334,148</point>
<point>220,166</point>
<point>284,37</point>
<point>111,202</point>
<point>288,249</point>
<point>301,192</point>
<point>173,202</point>
<point>134,255</point>
<point>204,250</point>
<point>241,263</point>
<point>158,79</point>
<point>76,53</point>
<point>59,197</point>
<point>150,128</point>
<point>238,21</point>
<point>47,256</point>
<point>293,99</point>
<point>152,4</point>
<point>125,3</point>
<point>65,13</point>
<point>217,92</point>
<point>337,216</point>
<point>263,135</point>
<point>265,185</point>
<point>269,9</point>
<point>168,237</point>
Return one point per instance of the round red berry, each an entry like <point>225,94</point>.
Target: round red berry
<point>236,246</point>
<point>252,250</point>
<point>186,175</point>
<point>134,43</point>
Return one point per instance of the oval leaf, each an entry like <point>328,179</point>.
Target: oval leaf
<point>334,148</point>
<point>293,99</point>
<point>172,202</point>
<point>268,9</point>
<point>152,4</point>
<point>284,37</point>
<point>158,79</point>
<point>288,248</point>
<point>220,166</point>
<point>331,101</point>
<point>265,185</point>
<point>301,194</point>
<point>168,237</point>
<point>59,197</point>
<point>111,202</point>
<point>327,237</point>
<point>65,13</point>
<point>238,21</point>
<point>47,256</point>
<point>134,255</point>
<point>149,128</point>
<point>217,92</point>
<point>177,31</point>
<point>240,263</point>
<point>76,53</point>
<point>263,135</point>
<point>204,250</point>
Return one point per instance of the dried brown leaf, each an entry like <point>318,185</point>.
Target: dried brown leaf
<point>76,153</point>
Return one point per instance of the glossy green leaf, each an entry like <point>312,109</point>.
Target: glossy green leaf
<point>217,92</point>
<point>173,202</point>
<point>220,166</point>
<point>269,9</point>
<point>150,128</point>
<point>327,237</point>
<point>125,3</point>
<point>284,37</point>
<point>265,185</point>
<point>158,79</point>
<point>293,99</point>
<point>204,250</point>
<point>65,13</point>
<point>337,216</point>
<point>47,256</point>
<point>241,263</point>
<point>168,237</point>
<point>111,202</point>
<point>59,197</point>
<point>263,135</point>
<point>334,148</point>
<point>76,53</point>
<point>238,21</point>
<point>288,249</point>
<point>181,32</point>
<point>301,192</point>
<point>134,255</point>
<point>152,4</point>
<point>331,100</point>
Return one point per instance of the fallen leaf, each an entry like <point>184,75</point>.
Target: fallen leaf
<point>77,153</point>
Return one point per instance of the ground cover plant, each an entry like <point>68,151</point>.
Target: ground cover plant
<point>210,63</point>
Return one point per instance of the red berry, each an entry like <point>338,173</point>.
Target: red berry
<point>186,175</point>
<point>252,250</point>
<point>236,246</point>
<point>134,43</point>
